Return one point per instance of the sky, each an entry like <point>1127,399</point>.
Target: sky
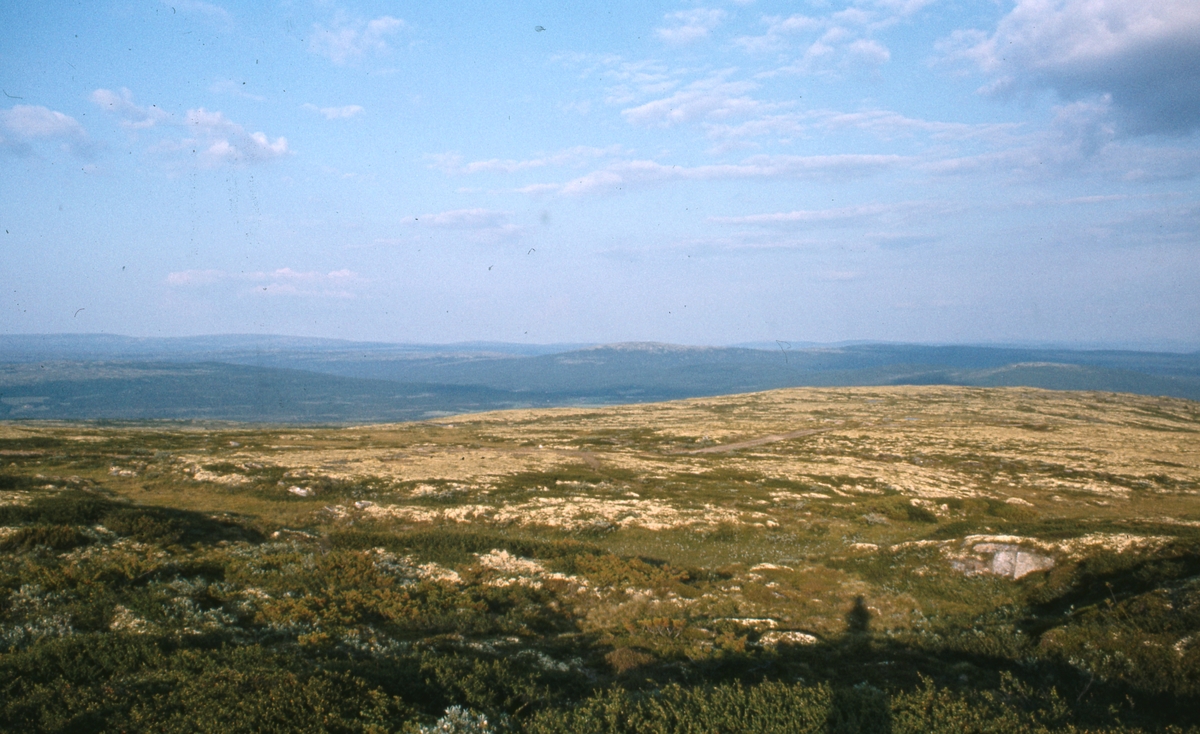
<point>936,171</point>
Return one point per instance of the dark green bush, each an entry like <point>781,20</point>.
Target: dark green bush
<point>65,508</point>
<point>167,526</point>
<point>906,511</point>
<point>450,547</point>
<point>56,537</point>
<point>145,527</point>
<point>162,525</point>
<point>229,700</point>
<point>114,683</point>
<point>1003,510</point>
<point>13,482</point>
<point>920,514</point>
<point>769,708</point>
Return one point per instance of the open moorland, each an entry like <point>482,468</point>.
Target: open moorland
<point>876,559</point>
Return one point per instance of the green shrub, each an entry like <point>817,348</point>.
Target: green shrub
<point>55,537</point>
<point>228,700</point>
<point>65,508</point>
<point>862,708</point>
<point>769,708</point>
<point>920,514</point>
<point>1014,709</point>
<point>145,527</point>
<point>449,547</point>
<point>167,526</point>
<point>15,482</point>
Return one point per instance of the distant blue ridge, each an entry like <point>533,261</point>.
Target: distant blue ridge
<point>268,378</point>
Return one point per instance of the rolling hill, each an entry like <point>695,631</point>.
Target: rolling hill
<point>292,379</point>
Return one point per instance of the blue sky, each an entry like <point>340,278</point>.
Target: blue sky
<point>901,170</point>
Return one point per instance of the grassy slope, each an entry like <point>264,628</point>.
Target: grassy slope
<point>521,563</point>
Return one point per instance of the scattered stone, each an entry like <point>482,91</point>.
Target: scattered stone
<point>301,491</point>
<point>1003,559</point>
<point>203,475</point>
<point>124,620</point>
<point>752,622</point>
<point>788,637</point>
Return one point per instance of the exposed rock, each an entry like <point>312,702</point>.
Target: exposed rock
<point>1004,559</point>
<point>789,637</point>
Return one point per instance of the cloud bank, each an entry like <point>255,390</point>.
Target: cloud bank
<point>1145,56</point>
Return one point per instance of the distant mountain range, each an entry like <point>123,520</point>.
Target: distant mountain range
<point>293,379</point>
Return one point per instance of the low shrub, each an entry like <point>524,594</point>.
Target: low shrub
<point>773,708</point>
<point>55,537</point>
<point>65,508</point>
<point>449,547</point>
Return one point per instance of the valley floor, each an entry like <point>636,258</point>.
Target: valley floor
<point>858,559</point>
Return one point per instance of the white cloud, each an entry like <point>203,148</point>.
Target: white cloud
<point>1082,128</point>
<point>690,25</point>
<point>852,16</point>
<point>869,51</point>
<point>713,98</point>
<point>284,281</point>
<point>575,156</point>
<point>23,124</point>
<point>214,138</point>
<point>838,50</point>
<point>903,7</point>
<point>636,80</point>
<point>196,277</point>
<point>582,107</point>
<point>810,216</point>
<point>482,225</point>
<point>347,40</point>
<point>197,7</point>
<point>625,174</point>
<point>236,89</point>
<point>1081,141</point>
<point>29,121</point>
<point>1146,55</point>
<point>219,140</point>
<point>787,125</point>
<point>779,33</point>
<point>884,124</point>
<point>839,41</point>
<point>628,81</point>
<point>887,124</point>
<point>132,116</point>
<point>464,219</point>
<point>336,113</point>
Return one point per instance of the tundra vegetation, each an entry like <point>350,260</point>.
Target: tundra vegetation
<point>907,559</point>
